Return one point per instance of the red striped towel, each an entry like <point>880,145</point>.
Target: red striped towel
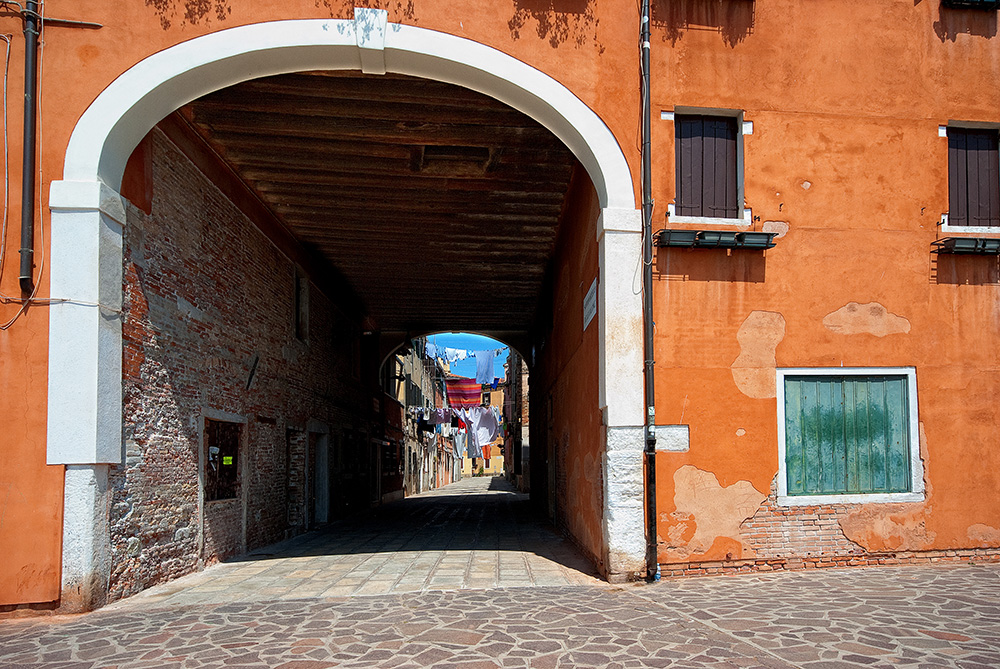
<point>464,392</point>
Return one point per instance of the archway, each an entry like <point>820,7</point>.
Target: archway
<point>84,423</point>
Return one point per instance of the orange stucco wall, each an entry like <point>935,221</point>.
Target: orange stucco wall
<point>584,46</point>
<point>30,492</point>
<point>564,385</point>
<point>846,99</point>
<point>846,96</point>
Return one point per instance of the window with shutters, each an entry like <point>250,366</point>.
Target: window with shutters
<point>848,435</point>
<point>973,178</point>
<point>708,168</point>
<point>705,148</point>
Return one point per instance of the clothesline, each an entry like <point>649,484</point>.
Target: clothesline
<point>483,425</point>
<point>451,354</point>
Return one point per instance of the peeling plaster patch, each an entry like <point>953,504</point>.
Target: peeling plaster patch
<point>806,185</point>
<point>709,509</point>
<point>740,432</point>
<point>984,535</point>
<point>871,318</point>
<point>781,227</point>
<point>889,527</point>
<point>753,370</point>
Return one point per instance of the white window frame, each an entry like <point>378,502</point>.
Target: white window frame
<point>916,493</point>
<point>977,230</point>
<point>742,128</point>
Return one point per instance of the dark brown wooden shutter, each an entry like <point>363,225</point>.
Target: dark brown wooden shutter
<point>973,177</point>
<point>705,151</point>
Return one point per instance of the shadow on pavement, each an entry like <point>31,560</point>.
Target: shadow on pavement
<point>475,514</point>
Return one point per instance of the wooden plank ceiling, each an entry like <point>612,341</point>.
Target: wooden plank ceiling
<point>438,205</point>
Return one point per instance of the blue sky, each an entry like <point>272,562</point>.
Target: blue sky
<point>471,342</point>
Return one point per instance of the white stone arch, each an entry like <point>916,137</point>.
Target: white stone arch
<point>84,417</point>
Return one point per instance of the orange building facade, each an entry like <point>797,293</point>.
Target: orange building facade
<point>837,128</point>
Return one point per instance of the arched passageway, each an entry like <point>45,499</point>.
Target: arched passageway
<point>355,180</point>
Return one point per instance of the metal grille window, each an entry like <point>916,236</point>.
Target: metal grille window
<point>849,434</point>
<point>706,166</point>
<point>222,448</point>
<point>973,177</point>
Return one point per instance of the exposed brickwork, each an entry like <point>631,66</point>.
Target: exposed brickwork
<point>295,491</point>
<point>801,531</point>
<point>971,556</point>
<point>810,537</point>
<point>208,325</point>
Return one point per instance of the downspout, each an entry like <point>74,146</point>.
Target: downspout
<point>652,562</point>
<point>31,33</point>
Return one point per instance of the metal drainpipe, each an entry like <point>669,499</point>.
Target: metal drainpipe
<point>31,33</point>
<point>652,562</point>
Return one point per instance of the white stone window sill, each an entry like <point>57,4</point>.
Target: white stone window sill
<point>871,498</point>
<point>744,222</point>
<point>968,229</point>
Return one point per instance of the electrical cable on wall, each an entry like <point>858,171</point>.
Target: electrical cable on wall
<point>32,298</point>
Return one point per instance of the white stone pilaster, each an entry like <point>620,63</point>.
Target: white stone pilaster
<point>621,389</point>
<point>85,334</point>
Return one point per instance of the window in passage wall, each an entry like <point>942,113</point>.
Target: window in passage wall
<point>222,450</point>
<point>848,435</point>
<point>973,177</point>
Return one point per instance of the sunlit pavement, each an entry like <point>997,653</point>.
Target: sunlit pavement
<point>470,580</point>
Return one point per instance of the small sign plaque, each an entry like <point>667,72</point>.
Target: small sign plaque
<point>590,305</point>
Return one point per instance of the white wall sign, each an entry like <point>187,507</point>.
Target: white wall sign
<point>590,305</point>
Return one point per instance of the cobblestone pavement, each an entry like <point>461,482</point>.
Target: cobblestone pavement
<point>465,578</point>
<point>935,616</point>
<point>475,533</point>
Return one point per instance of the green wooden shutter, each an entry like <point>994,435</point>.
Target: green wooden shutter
<point>847,434</point>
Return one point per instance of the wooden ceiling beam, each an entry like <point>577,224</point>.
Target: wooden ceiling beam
<point>369,130</point>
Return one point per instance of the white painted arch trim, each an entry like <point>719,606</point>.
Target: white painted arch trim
<point>126,110</point>
<point>84,422</point>
<point>84,414</point>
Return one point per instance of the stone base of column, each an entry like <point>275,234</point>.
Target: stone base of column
<point>86,554</point>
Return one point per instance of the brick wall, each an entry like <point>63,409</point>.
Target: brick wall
<point>803,531</point>
<point>209,326</point>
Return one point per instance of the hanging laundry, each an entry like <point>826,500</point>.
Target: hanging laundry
<point>495,383</point>
<point>431,350</point>
<point>464,392</point>
<point>439,416</point>
<point>483,428</point>
<point>484,366</point>
<point>486,451</point>
<point>460,444</point>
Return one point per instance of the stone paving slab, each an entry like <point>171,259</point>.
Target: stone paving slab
<point>935,616</point>
<point>475,533</point>
<point>877,617</point>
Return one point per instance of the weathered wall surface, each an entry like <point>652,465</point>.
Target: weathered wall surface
<point>209,331</point>
<point>585,45</point>
<point>564,384</point>
<point>845,162</point>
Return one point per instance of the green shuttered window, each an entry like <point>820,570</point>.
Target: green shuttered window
<point>847,434</point>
